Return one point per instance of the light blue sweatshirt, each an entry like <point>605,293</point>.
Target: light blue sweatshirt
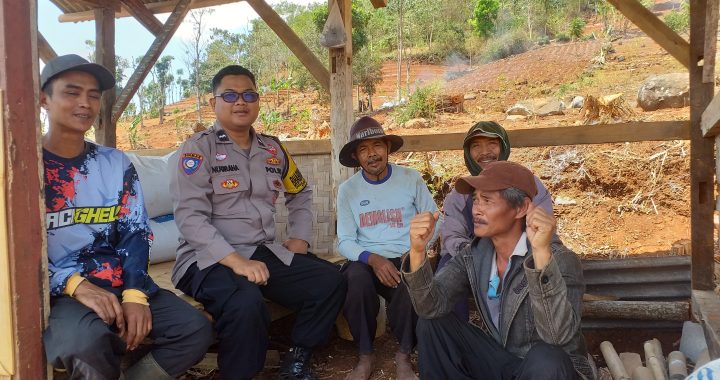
<point>374,216</point>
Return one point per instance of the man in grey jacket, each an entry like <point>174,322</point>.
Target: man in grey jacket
<point>527,285</point>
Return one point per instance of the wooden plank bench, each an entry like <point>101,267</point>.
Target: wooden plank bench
<point>161,272</point>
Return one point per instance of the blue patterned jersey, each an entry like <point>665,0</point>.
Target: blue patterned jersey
<point>96,220</point>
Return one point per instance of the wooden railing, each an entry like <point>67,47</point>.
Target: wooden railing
<point>520,138</point>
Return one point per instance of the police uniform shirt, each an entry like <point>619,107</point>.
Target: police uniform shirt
<point>224,198</point>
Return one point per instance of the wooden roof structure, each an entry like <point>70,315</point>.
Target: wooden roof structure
<point>23,258</point>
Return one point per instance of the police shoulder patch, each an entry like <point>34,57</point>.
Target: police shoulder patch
<point>191,162</point>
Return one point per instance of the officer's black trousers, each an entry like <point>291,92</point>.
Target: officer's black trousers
<point>309,285</point>
<point>362,306</point>
<point>80,342</point>
<point>452,349</point>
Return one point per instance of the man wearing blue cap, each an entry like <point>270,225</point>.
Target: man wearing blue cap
<point>103,303</point>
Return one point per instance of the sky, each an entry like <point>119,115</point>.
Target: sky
<point>132,39</point>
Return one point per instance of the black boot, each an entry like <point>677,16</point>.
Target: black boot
<point>296,365</point>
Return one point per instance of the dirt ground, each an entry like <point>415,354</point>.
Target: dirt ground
<point>611,200</point>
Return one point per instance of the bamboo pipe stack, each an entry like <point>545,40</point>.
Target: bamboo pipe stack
<point>631,360</point>
<point>677,366</point>
<point>629,365</point>
<point>617,369</point>
<point>642,373</point>
<point>653,362</point>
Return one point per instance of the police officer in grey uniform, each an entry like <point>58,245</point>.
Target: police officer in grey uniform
<point>224,191</point>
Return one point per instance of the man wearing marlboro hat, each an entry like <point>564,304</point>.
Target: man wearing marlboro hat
<point>527,285</point>
<point>374,208</point>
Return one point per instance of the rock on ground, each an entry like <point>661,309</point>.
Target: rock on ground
<point>537,107</point>
<point>664,91</point>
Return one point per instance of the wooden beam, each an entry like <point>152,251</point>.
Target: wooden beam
<point>144,16</point>
<point>152,55</point>
<point>519,138</point>
<point>292,41</point>
<point>559,136</point>
<point>379,3</point>
<point>643,310</point>
<point>105,55</point>
<point>23,218</point>
<point>45,51</point>
<point>110,4</point>
<point>159,7</point>
<point>601,134</point>
<point>711,28</point>
<point>644,19</point>
<point>710,119</point>
<point>702,163</point>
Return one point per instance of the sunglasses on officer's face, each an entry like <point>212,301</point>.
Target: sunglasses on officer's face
<point>233,96</point>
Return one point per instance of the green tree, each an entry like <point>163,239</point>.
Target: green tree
<point>163,78</point>
<point>195,50</point>
<point>121,64</point>
<point>224,48</point>
<point>679,20</point>
<point>367,73</point>
<point>577,25</point>
<point>484,16</point>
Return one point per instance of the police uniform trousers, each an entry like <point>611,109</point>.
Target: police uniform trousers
<point>80,342</point>
<point>312,286</point>
<point>449,348</point>
<point>362,306</point>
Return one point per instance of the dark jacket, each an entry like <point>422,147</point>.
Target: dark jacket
<point>536,305</point>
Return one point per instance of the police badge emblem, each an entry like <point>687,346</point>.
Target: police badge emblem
<point>191,162</point>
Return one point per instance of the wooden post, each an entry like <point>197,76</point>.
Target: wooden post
<point>105,55</point>
<point>341,107</point>
<point>23,217</point>
<point>711,28</point>
<point>702,202</point>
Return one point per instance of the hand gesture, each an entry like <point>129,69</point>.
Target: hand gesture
<point>138,320</point>
<point>540,230</point>
<point>384,270</point>
<point>422,228</point>
<point>102,302</point>
<point>296,245</point>
<point>255,271</point>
